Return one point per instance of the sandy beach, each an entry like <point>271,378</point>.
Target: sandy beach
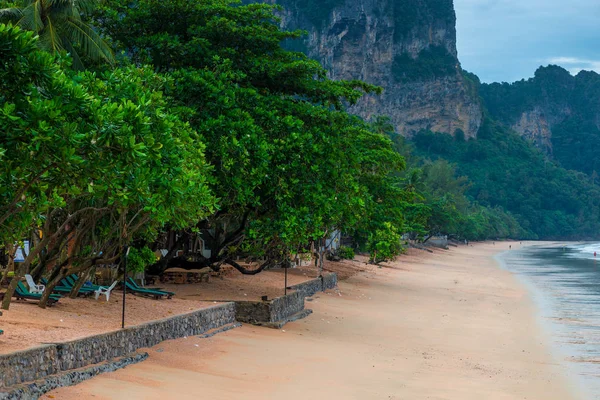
<point>447,325</point>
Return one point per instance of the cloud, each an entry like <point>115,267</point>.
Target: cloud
<point>575,64</point>
<point>507,40</point>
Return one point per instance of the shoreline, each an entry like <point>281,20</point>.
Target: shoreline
<point>545,311</point>
<point>450,325</point>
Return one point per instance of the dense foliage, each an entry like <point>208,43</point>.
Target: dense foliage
<point>410,15</point>
<point>318,12</point>
<point>290,164</point>
<point>89,162</point>
<point>506,171</point>
<point>434,62</point>
<point>441,204</point>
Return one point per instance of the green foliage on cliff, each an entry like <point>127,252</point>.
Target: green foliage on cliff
<point>418,14</point>
<point>548,201</point>
<point>506,102</point>
<point>566,103</point>
<point>441,203</point>
<point>317,12</point>
<point>431,63</point>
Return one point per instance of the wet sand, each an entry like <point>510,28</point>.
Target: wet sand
<point>448,325</point>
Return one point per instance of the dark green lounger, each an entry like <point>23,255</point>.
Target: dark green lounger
<point>135,285</point>
<point>21,292</point>
<point>65,288</point>
<point>73,278</point>
<point>135,289</point>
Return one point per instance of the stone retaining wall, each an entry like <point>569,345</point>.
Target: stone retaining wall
<point>313,286</point>
<point>267,312</point>
<point>277,311</point>
<point>37,363</point>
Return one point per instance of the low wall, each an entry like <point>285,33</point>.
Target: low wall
<point>438,241</point>
<point>267,312</point>
<point>36,363</point>
<point>282,309</point>
<point>309,288</point>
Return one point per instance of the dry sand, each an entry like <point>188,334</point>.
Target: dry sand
<point>448,325</point>
<point>236,286</point>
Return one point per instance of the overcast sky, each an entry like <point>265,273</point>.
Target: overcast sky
<point>507,40</point>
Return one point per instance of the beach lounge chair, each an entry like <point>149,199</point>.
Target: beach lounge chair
<point>68,289</point>
<point>33,288</point>
<point>71,281</point>
<point>105,290</point>
<point>21,292</point>
<point>64,288</point>
<point>133,283</point>
<point>73,278</point>
<point>155,293</point>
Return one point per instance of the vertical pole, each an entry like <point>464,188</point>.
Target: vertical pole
<point>125,254</point>
<point>321,255</point>
<point>322,242</point>
<point>285,290</point>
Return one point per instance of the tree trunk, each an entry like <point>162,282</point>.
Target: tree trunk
<point>37,272</point>
<point>79,284</point>
<point>13,286</point>
<point>246,271</point>
<point>10,250</point>
<point>164,263</point>
<point>51,285</point>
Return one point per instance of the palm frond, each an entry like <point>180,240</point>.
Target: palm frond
<point>77,63</point>
<point>85,6</point>
<point>50,39</point>
<point>31,18</point>
<point>10,14</point>
<point>91,43</point>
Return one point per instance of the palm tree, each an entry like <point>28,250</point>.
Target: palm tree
<point>59,25</point>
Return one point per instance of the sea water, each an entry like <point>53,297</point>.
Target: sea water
<point>565,283</point>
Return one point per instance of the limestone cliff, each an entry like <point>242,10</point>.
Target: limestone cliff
<point>534,125</point>
<point>408,47</point>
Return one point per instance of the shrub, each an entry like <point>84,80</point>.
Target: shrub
<point>384,244</point>
<point>345,252</point>
<point>139,259</point>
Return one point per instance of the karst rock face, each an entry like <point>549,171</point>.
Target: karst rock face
<point>408,47</point>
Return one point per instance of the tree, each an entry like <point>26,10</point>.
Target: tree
<point>90,162</point>
<point>289,162</point>
<point>61,26</point>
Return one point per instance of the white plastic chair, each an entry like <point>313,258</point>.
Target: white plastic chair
<point>105,290</point>
<point>33,288</point>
